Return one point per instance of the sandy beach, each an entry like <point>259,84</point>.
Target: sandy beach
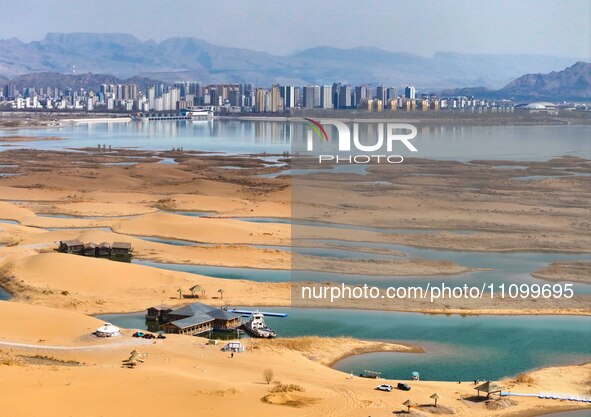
<point>295,209</point>
<point>46,351</point>
<point>71,365</point>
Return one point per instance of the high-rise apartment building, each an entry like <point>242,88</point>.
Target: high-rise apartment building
<point>326,96</point>
<point>259,100</point>
<point>311,96</point>
<point>287,93</point>
<point>381,93</point>
<point>275,100</point>
<point>345,97</point>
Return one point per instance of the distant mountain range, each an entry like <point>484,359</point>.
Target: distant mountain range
<point>572,83</point>
<point>87,80</point>
<point>178,59</point>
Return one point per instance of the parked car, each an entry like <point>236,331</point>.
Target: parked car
<point>149,336</point>
<point>161,336</point>
<point>403,387</point>
<point>384,387</point>
<point>138,334</point>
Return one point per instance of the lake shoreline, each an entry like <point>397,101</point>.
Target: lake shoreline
<point>52,290</point>
<point>188,358</point>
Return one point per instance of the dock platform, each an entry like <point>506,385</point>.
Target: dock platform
<point>247,313</point>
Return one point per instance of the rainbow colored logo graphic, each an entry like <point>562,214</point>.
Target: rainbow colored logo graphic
<point>317,127</point>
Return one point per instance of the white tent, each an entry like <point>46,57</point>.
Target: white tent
<point>233,347</point>
<point>108,330</point>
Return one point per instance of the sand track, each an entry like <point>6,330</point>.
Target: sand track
<point>113,345</point>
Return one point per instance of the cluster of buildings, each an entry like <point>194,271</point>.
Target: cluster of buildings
<point>119,251</point>
<point>235,98</point>
<point>193,319</point>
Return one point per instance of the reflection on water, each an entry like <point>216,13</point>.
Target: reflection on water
<point>462,143</point>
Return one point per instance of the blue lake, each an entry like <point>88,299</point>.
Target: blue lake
<point>484,347</point>
<point>318,223</point>
<point>174,242</point>
<point>457,347</point>
<point>194,213</point>
<point>461,143</point>
<point>507,267</point>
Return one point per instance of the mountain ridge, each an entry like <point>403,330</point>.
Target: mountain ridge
<point>87,81</point>
<point>571,83</point>
<point>188,58</point>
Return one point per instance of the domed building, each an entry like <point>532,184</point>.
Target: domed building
<point>541,107</point>
<point>108,330</point>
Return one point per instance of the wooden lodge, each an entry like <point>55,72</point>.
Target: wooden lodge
<point>116,251</point>
<point>192,319</point>
<point>103,250</point>
<point>121,250</point>
<point>90,249</point>
<point>71,246</point>
<point>158,313</point>
<point>224,320</point>
<point>197,324</point>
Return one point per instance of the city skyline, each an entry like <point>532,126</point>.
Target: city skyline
<point>553,27</point>
<point>238,98</point>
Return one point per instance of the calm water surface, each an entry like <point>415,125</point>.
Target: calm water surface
<point>458,348</point>
<point>461,143</point>
<point>506,267</point>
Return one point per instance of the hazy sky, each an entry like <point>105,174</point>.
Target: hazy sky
<point>551,27</point>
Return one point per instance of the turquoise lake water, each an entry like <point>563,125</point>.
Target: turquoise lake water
<point>458,348</point>
<point>507,267</point>
<point>484,347</point>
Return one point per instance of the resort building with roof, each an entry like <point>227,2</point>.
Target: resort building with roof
<point>71,246</point>
<point>115,251</point>
<point>121,250</point>
<point>192,319</point>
